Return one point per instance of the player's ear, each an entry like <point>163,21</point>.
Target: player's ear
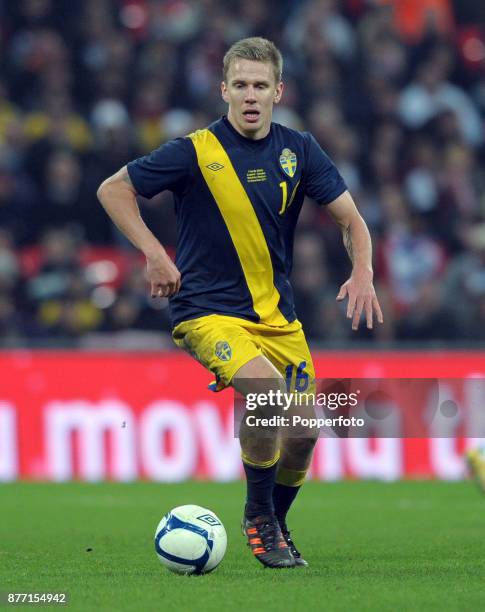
<point>224,92</point>
<point>278,92</point>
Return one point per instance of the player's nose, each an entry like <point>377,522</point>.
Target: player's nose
<point>250,94</point>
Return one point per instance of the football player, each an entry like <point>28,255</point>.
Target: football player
<point>239,186</point>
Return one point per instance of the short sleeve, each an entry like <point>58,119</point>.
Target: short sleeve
<point>323,182</point>
<point>168,167</point>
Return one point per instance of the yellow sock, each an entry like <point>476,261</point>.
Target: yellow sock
<point>260,464</point>
<point>290,478</point>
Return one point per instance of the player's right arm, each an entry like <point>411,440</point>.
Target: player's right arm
<point>325,185</point>
<point>118,198</point>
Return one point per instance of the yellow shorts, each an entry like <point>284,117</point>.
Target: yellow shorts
<point>223,344</point>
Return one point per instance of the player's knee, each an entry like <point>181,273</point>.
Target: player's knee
<point>302,446</point>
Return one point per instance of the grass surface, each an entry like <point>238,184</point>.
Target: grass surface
<point>371,546</point>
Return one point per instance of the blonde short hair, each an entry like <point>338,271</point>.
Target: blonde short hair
<point>257,49</point>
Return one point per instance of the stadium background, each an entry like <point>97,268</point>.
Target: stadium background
<point>393,91</point>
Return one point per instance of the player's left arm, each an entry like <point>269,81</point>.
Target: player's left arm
<point>359,287</point>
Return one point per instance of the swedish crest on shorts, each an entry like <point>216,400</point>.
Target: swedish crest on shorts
<point>223,350</point>
<point>288,162</point>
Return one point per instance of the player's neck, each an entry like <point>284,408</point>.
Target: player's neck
<point>259,134</point>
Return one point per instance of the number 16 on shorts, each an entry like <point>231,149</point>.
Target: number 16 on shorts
<point>297,381</point>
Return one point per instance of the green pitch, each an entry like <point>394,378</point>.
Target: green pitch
<point>371,546</point>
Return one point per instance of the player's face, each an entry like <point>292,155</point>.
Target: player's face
<point>251,90</point>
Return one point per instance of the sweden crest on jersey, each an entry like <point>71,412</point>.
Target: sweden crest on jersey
<point>288,162</point>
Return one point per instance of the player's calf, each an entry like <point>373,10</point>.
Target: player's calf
<point>296,454</point>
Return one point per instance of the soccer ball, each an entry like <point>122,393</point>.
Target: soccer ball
<point>190,540</point>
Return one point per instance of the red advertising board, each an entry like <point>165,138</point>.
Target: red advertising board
<point>97,416</point>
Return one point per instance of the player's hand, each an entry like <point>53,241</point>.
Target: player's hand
<point>362,298</point>
<point>163,275</point>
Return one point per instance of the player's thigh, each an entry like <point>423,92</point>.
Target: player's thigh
<point>291,356</point>
<point>258,376</point>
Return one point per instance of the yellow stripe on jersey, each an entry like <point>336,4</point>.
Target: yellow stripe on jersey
<point>243,225</point>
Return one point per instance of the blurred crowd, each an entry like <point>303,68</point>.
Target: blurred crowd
<point>394,91</point>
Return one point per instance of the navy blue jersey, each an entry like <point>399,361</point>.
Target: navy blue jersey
<point>237,202</point>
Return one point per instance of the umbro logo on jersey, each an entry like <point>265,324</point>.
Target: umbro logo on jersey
<point>215,166</point>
